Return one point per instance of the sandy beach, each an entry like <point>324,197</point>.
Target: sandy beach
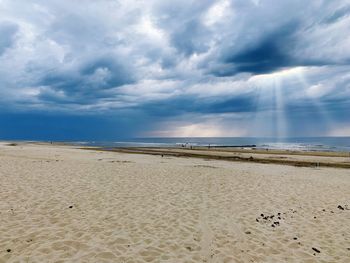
<point>64,204</point>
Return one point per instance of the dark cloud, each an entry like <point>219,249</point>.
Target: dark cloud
<point>187,104</point>
<point>89,81</point>
<point>160,60</point>
<point>269,55</point>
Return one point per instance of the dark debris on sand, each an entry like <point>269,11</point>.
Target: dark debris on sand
<point>316,250</point>
<point>274,219</point>
<point>343,207</point>
<point>340,207</point>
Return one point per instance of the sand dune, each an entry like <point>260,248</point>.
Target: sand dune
<point>61,204</point>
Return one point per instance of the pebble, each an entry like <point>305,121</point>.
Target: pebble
<point>9,250</point>
<point>340,207</point>
<point>316,250</point>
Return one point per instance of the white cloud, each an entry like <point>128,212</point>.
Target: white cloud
<point>200,128</point>
<point>343,131</point>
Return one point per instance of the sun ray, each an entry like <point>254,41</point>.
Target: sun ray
<point>326,119</point>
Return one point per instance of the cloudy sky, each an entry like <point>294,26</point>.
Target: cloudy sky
<point>104,69</point>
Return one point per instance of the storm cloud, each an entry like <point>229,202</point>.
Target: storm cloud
<point>149,67</point>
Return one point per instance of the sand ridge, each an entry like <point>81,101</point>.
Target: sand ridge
<point>61,204</point>
<point>300,159</point>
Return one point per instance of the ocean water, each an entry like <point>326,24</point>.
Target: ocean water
<point>338,144</point>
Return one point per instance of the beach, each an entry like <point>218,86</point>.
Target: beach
<point>60,203</point>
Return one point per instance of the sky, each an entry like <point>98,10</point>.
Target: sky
<point>108,69</point>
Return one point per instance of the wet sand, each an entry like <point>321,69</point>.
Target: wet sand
<point>64,204</point>
<point>295,158</point>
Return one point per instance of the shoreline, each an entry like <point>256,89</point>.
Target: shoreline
<point>301,159</point>
<point>283,157</point>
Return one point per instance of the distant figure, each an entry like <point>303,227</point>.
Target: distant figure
<point>162,155</point>
<point>209,146</point>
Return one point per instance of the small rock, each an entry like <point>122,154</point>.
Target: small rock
<point>248,232</point>
<point>257,220</point>
<point>295,238</point>
<point>262,215</point>
<point>324,210</point>
<point>8,250</point>
<point>70,206</point>
<point>340,207</point>
<point>316,250</point>
<point>273,225</point>
<point>189,248</point>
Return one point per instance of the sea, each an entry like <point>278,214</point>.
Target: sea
<point>331,144</point>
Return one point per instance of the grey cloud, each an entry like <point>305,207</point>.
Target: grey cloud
<point>87,82</point>
<point>7,35</point>
<point>338,14</point>
<point>270,53</point>
<point>122,55</point>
